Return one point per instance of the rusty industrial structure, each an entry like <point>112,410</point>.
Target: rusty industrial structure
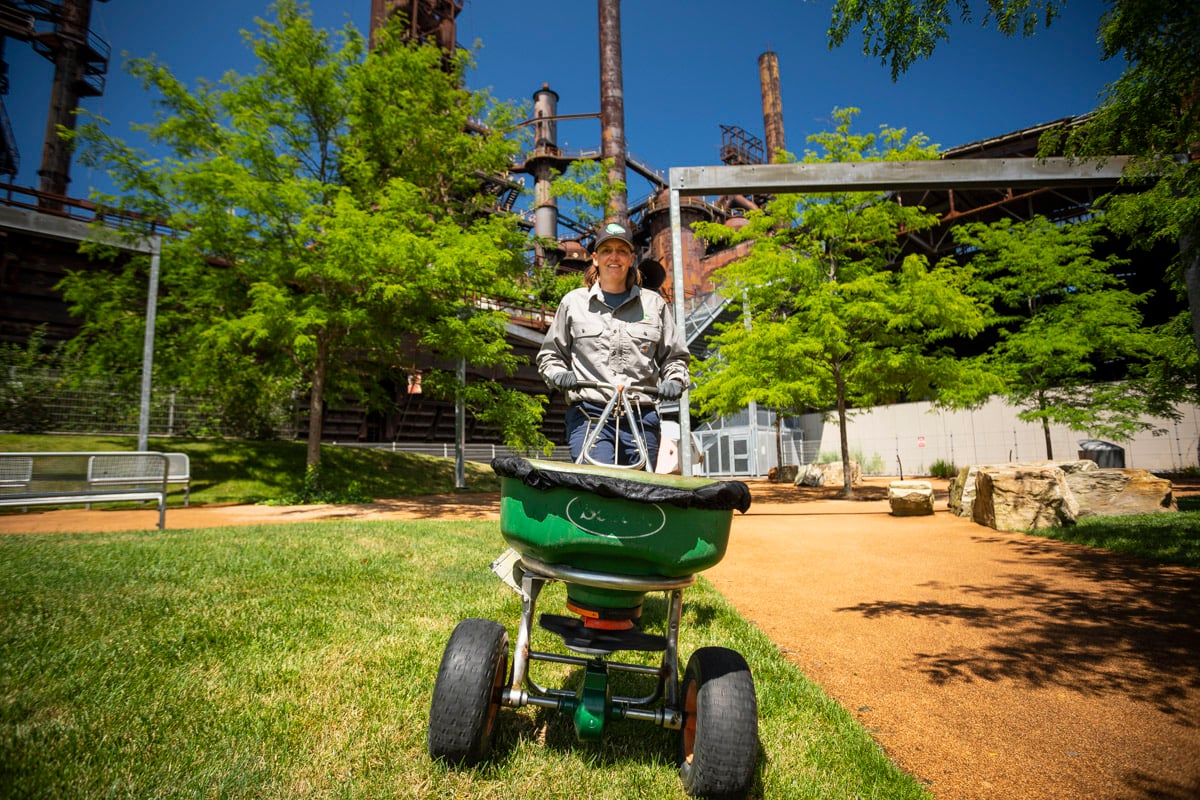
<point>31,264</point>
<point>434,21</point>
<point>612,106</point>
<point>772,103</point>
<point>60,32</point>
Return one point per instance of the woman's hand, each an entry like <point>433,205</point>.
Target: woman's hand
<point>564,379</point>
<point>669,390</point>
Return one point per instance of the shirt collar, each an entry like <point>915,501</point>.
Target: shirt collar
<point>595,291</point>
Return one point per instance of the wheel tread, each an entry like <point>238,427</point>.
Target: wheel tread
<point>463,701</point>
<point>725,752</point>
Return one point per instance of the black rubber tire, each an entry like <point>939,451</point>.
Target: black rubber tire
<point>466,695</point>
<point>718,746</point>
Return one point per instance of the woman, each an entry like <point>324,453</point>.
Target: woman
<point>611,331</point>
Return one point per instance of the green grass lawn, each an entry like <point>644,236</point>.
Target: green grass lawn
<point>1168,538</point>
<point>298,661</point>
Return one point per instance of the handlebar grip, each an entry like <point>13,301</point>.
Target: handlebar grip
<point>611,388</point>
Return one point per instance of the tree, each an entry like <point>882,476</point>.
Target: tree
<point>902,32</point>
<point>586,187</point>
<point>330,217</point>
<point>1151,112</point>
<point>829,319</point>
<point>1068,328</point>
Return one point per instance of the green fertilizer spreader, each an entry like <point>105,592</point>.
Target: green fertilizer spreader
<point>611,536</point>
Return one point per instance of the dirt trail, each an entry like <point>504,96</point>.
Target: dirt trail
<point>989,665</point>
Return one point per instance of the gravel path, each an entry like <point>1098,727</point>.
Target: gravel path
<point>989,665</point>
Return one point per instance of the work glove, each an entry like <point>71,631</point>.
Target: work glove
<point>669,390</point>
<point>564,379</point>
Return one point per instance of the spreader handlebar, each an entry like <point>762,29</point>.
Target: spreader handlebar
<point>613,389</point>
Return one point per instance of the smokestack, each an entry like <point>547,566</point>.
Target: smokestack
<point>380,11</point>
<point>612,105</point>
<point>772,102</point>
<point>545,140</point>
<point>70,57</point>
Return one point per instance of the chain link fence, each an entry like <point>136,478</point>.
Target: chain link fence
<point>48,401</point>
<point>45,401</point>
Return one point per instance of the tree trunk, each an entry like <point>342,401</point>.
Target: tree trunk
<point>779,440</point>
<point>847,478</point>
<point>1041,404</point>
<point>316,407</point>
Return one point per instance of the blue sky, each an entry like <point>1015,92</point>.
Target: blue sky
<point>689,67</point>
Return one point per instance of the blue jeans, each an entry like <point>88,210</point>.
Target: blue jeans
<point>602,449</point>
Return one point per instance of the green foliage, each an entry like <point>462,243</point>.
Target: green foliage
<point>1064,315</point>
<point>870,465</point>
<point>315,491</point>
<point>585,187</point>
<point>1151,113</point>
<point>829,318</point>
<point>334,221</point>
<point>23,397</point>
<point>943,469</point>
<point>546,287</point>
<point>512,411</point>
<point>901,32</point>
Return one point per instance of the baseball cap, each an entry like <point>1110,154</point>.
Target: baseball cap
<point>613,230</point>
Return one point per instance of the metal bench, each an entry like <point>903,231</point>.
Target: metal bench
<point>179,471</point>
<point>15,471</point>
<point>68,478</point>
<point>129,472</point>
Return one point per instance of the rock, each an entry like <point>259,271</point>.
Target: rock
<point>955,500</point>
<point>963,487</point>
<point>830,474</point>
<point>784,474</point>
<point>1023,498</point>
<point>1114,492</point>
<point>834,475</point>
<point>910,498</point>
<point>810,475</point>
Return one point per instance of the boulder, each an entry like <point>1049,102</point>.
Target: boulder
<point>963,487</point>
<point>1023,498</point>
<point>957,483</point>
<point>830,474</point>
<point>910,498</point>
<point>810,475</point>
<point>1113,492</point>
<point>784,474</point>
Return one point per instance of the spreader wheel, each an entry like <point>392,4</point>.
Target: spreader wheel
<point>466,696</point>
<point>718,746</point>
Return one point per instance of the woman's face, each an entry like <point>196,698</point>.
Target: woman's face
<point>613,260</point>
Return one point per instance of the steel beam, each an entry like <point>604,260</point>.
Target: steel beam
<point>72,230</point>
<point>882,176</point>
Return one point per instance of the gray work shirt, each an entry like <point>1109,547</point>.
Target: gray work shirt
<point>635,345</point>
